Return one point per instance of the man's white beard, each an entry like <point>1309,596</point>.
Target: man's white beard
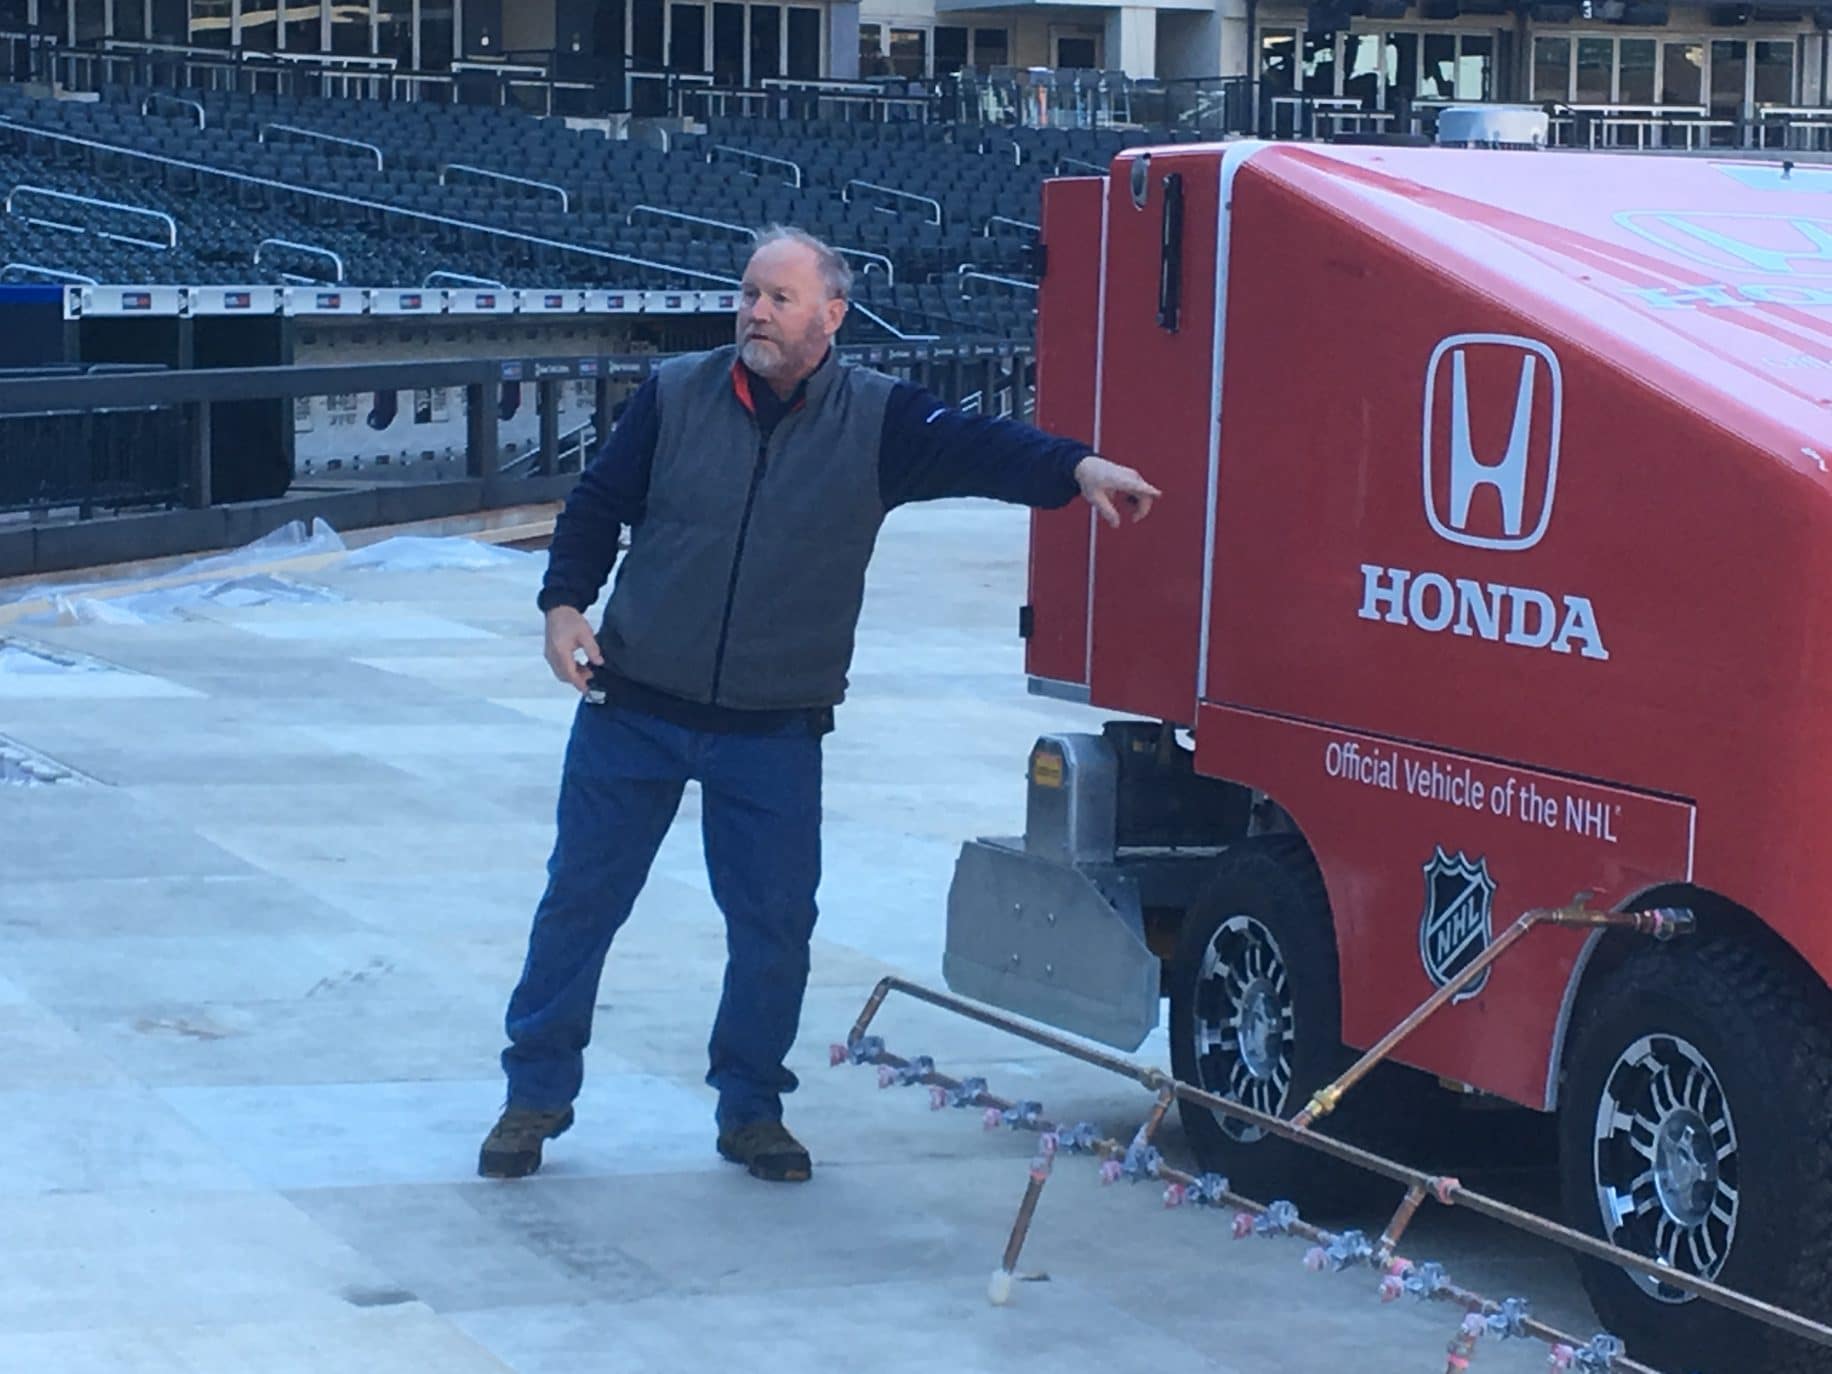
<point>760,355</point>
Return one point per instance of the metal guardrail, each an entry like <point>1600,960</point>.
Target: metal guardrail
<point>636,210</point>
<point>427,216</point>
<point>296,246</point>
<point>757,157</point>
<point>967,274</point>
<point>1025,225</point>
<point>930,201</point>
<point>462,279</point>
<point>146,106</point>
<point>302,132</point>
<point>162,453</point>
<point>872,259</point>
<point>55,273</point>
<point>171,225</point>
<point>565,200</point>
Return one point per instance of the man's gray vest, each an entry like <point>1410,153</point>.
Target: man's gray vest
<point>743,582</point>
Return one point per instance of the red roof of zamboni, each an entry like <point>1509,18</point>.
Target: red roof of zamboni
<point>1712,277</point>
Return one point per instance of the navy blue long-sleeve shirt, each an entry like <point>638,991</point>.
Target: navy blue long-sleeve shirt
<point>927,451</point>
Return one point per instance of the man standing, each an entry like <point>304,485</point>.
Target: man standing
<point>753,480</point>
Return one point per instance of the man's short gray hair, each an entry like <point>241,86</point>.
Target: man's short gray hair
<point>833,269</point>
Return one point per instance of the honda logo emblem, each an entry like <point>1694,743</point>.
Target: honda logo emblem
<point>1494,406</point>
<point>1745,244</point>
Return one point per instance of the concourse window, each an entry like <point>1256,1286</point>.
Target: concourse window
<point>909,55</point>
<point>1475,68</point>
<point>1682,73</point>
<point>728,44</point>
<point>1278,61</point>
<point>804,43</point>
<point>349,28</point>
<point>1595,59</point>
<point>1551,68</point>
<point>766,42</point>
<point>1635,71</point>
<point>1774,73</point>
<point>687,38</point>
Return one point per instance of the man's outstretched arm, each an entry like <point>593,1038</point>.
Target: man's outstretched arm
<point>931,450</point>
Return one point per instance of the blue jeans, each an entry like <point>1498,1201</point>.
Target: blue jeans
<point>760,823</point>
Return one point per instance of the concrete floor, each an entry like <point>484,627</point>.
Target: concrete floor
<point>257,948</point>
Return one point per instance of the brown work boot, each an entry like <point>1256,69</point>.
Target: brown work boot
<point>768,1150</point>
<point>513,1147</point>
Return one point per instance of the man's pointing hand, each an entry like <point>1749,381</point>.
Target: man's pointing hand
<point>1108,486</point>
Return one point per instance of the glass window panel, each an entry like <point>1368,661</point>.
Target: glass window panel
<point>209,23</point>
<point>349,27</point>
<point>1774,73</point>
<point>130,19</point>
<point>394,31</point>
<point>1278,61</point>
<point>1682,73</point>
<point>171,21</point>
<point>1635,71</point>
<point>13,15</point>
<point>1595,58</point>
<point>1402,59</point>
<point>54,17</point>
<point>1729,72</point>
<point>646,33</point>
<point>1437,66</point>
<point>1361,60</point>
<point>1319,77</point>
<point>909,54</point>
<point>1476,69</point>
<point>1552,69</point>
<point>687,38</point>
<point>873,60</point>
<point>991,47</point>
<point>436,35</point>
<point>950,49</point>
<point>804,43</point>
<point>728,44</point>
<point>91,20</point>
<point>304,27</point>
<point>260,27</point>
<point>766,42</point>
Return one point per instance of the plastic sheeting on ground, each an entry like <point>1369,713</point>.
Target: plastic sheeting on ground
<point>188,588</point>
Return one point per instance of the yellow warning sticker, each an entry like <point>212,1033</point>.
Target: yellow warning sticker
<point>1046,770</point>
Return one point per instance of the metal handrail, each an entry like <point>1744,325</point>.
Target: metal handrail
<point>249,179</point>
<point>890,268</point>
<point>694,219</point>
<point>565,200</point>
<point>334,63</point>
<point>171,225</point>
<point>497,68</point>
<point>145,105</point>
<point>328,138</point>
<point>462,279</point>
<point>878,319</point>
<point>967,273</point>
<point>60,274</point>
<point>846,195</point>
<point>1094,167</point>
<point>759,157</point>
<point>302,248</point>
<point>1015,223</point>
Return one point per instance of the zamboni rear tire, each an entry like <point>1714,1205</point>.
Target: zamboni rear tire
<point>1697,1111</point>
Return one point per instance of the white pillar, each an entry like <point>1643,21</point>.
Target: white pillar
<point>1132,40</point>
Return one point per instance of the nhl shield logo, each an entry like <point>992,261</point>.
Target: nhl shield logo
<point>1456,925</point>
